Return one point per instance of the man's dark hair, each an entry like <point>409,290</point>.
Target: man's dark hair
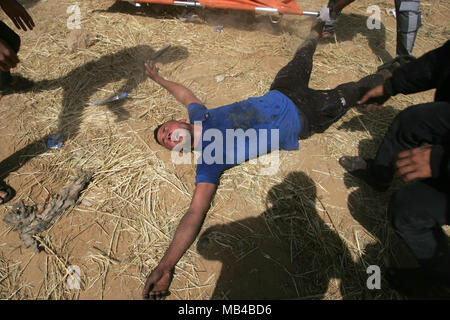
<point>155,133</point>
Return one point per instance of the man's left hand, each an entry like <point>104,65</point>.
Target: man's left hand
<point>413,164</point>
<point>17,13</point>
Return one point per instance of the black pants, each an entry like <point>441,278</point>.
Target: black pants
<point>13,40</point>
<point>419,209</point>
<point>418,212</point>
<point>318,109</point>
<point>427,123</point>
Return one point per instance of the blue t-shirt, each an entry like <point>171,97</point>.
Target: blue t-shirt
<point>244,130</point>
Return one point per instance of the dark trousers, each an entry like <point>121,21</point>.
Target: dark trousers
<point>427,123</point>
<point>318,109</point>
<point>13,41</point>
<point>418,212</point>
<point>419,209</point>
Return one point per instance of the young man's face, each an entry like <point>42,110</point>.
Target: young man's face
<point>173,132</point>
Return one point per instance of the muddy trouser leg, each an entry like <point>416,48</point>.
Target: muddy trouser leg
<point>427,123</point>
<point>322,108</point>
<point>292,80</point>
<point>13,40</point>
<point>408,23</point>
<point>418,211</point>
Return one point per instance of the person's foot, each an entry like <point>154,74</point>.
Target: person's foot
<point>6,192</point>
<point>16,84</point>
<point>360,168</point>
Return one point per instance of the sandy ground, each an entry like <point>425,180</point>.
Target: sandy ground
<point>246,257</point>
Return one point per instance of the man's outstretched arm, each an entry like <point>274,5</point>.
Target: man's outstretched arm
<point>180,92</point>
<point>158,282</point>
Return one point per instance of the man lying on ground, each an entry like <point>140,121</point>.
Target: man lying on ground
<point>276,120</point>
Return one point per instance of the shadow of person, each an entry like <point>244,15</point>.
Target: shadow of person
<point>125,66</point>
<point>350,25</point>
<point>238,19</point>
<point>368,206</point>
<point>288,252</point>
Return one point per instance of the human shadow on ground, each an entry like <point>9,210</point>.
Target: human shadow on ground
<point>349,27</point>
<point>288,252</point>
<point>126,65</point>
<point>352,25</point>
<point>237,19</point>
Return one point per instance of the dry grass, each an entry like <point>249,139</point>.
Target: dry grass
<point>309,227</point>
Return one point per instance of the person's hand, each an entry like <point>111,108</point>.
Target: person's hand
<point>324,14</point>
<point>8,57</point>
<point>17,13</point>
<point>413,164</point>
<point>151,71</point>
<point>157,285</point>
<point>377,92</point>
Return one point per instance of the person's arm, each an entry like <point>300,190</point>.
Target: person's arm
<point>158,282</point>
<point>17,13</point>
<point>341,4</point>
<point>180,92</point>
<point>419,75</point>
<point>8,58</point>
<point>416,76</point>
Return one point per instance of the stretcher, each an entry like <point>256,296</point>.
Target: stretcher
<point>267,6</point>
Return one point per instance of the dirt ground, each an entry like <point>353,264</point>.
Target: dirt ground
<point>307,232</point>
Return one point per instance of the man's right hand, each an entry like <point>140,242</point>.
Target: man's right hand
<point>157,285</point>
<point>8,58</point>
<point>151,71</point>
<point>17,13</point>
<point>374,93</point>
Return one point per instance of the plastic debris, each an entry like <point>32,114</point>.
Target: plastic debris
<point>55,141</point>
<point>115,98</point>
<point>391,12</point>
<point>219,28</point>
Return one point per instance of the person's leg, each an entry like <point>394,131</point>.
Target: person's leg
<point>427,123</point>
<point>408,23</point>
<point>13,41</point>
<point>295,75</point>
<point>418,212</point>
<point>325,107</point>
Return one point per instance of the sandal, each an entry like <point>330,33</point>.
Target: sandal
<point>360,168</point>
<point>10,192</point>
